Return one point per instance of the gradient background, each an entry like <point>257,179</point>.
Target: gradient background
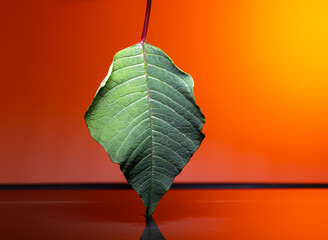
<point>260,70</point>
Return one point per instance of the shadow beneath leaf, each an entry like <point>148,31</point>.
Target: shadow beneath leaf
<point>151,231</point>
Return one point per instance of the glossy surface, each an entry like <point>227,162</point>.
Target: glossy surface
<point>181,214</point>
<point>260,72</point>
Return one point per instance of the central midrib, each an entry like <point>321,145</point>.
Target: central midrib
<point>150,118</point>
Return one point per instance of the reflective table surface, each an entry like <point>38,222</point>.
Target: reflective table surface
<point>181,214</point>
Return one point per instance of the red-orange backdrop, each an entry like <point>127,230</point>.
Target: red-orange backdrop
<point>260,72</point>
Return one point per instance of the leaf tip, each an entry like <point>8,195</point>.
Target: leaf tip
<point>149,212</point>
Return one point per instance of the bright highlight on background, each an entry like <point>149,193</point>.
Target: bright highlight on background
<point>260,70</point>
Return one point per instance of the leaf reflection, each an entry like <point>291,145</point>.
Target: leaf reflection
<point>151,231</point>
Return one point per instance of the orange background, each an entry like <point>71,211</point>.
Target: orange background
<point>260,72</point>
<point>252,214</point>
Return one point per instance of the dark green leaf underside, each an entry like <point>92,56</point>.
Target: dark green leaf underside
<point>145,116</point>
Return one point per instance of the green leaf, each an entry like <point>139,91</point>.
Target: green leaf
<point>145,116</point>
<point>151,231</point>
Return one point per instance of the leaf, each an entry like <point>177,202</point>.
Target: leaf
<point>145,116</point>
<point>151,231</point>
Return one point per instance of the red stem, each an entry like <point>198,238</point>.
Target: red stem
<point>145,28</point>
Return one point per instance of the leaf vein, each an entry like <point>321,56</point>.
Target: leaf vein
<point>172,140</point>
<point>117,134</point>
<point>163,145</point>
<point>136,148</point>
<point>179,104</point>
<point>196,127</point>
<point>175,128</point>
<point>167,162</point>
<point>130,66</point>
<point>110,119</point>
<point>120,84</point>
<point>171,73</point>
<point>134,167</point>
<point>123,58</point>
<point>130,133</point>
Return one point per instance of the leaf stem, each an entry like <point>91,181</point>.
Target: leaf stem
<point>145,28</point>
